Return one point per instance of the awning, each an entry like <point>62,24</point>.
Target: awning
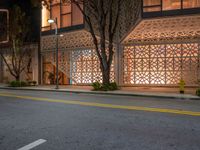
<point>165,29</point>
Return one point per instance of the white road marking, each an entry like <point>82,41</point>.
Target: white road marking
<point>32,145</point>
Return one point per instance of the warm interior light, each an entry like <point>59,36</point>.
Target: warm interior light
<point>45,16</point>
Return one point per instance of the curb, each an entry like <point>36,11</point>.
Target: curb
<point>105,93</point>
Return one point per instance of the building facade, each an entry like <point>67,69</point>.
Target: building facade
<point>158,47</point>
<point>30,72</point>
<point>165,45</point>
<point>78,62</point>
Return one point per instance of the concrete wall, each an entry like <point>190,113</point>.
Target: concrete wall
<point>1,70</point>
<point>5,76</point>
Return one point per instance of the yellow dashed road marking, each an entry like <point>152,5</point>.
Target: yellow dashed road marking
<point>103,105</point>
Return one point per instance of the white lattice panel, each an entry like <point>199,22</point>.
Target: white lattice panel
<point>69,40</point>
<point>63,61</point>
<point>86,67</point>
<point>81,66</point>
<point>181,28</point>
<point>163,64</point>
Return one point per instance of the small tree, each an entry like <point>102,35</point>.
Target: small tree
<point>102,19</point>
<point>105,14</point>
<point>17,57</point>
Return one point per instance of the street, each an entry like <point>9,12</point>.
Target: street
<point>67,121</point>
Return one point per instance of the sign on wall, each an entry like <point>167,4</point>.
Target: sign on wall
<point>4,25</point>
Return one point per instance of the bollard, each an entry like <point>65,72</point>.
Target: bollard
<point>182,86</point>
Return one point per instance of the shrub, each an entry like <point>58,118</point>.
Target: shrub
<point>110,87</point>
<point>198,92</point>
<point>34,83</point>
<point>105,87</point>
<point>23,83</point>
<point>29,82</point>
<point>15,83</point>
<point>18,83</point>
<point>96,86</point>
<point>113,86</point>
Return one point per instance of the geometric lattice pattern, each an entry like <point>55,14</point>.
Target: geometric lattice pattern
<point>69,41</point>
<point>162,64</point>
<point>86,67</point>
<point>166,29</point>
<point>63,60</point>
<point>63,64</point>
<point>80,66</point>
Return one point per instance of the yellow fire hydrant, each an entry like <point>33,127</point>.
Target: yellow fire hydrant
<point>182,86</point>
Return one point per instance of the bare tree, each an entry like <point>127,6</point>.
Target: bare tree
<point>105,14</point>
<point>17,56</point>
<point>102,20</point>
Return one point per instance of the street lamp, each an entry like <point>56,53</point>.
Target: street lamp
<point>54,21</point>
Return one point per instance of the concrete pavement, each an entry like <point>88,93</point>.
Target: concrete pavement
<point>69,126</point>
<point>125,91</point>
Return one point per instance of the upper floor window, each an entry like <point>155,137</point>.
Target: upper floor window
<point>191,3</point>
<point>165,5</point>
<point>151,5</point>
<point>171,4</point>
<point>66,14</point>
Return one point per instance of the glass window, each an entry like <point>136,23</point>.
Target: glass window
<point>45,17</point>
<point>191,3</point>
<point>66,8</point>
<point>155,5</point>
<point>171,4</point>
<point>55,13</point>
<point>66,14</point>
<point>151,5</point>
<point>66,20</point>
<point>77,17</point>
<point>53,2</point>
<point>152,9</point>
<point>151,2</point>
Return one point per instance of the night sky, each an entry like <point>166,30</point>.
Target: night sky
<point>34,13</point>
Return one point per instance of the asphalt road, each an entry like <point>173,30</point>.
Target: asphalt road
<point>69,121</point>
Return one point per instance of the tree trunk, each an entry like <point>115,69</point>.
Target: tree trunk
<point>106,75</point>
<point>17,77</point>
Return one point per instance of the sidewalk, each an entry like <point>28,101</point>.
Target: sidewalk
<point>124,91</point>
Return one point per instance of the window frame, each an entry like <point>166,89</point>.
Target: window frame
<point>60,25</point>
<point>164,12</point>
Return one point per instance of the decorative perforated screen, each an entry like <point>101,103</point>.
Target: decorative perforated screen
<point>166,29</point>
<point>49,67</point>
<point>78,66</point>
<point>163,64</point>
<point>86,67</point>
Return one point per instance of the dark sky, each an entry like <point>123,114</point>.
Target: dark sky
<point>34,13</point>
